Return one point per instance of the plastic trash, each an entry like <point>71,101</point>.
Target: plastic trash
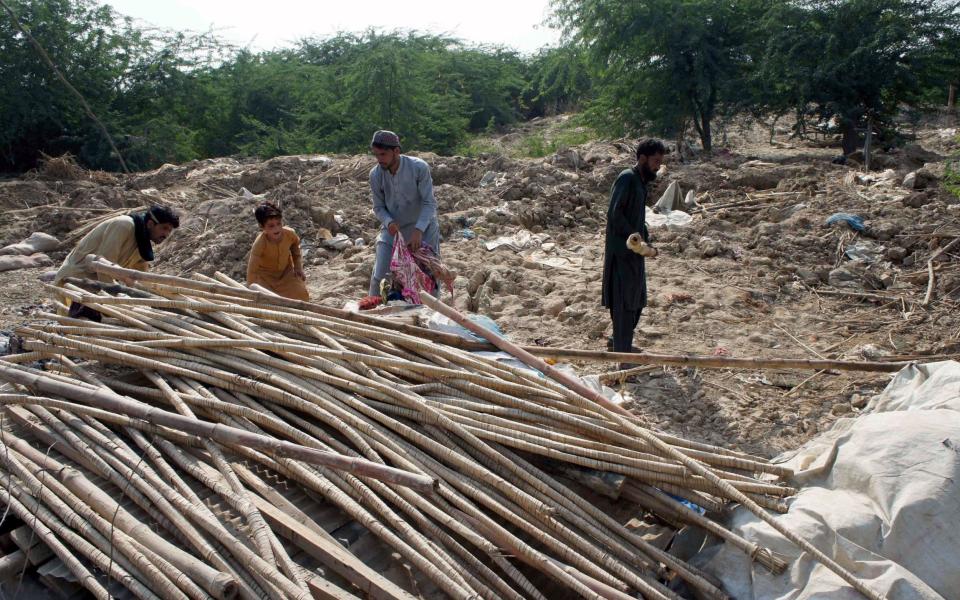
<point>338,242</point>
<point>521,240</point>
<point>855,222</point>
<point>248,195</point>
<point>864,251</point>
<point>438,322</point>
<point>672,219</point>
<point>694,507</point>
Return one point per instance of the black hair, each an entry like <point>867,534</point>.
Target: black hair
<point>649,147</point>
<point>266,211</point>
<point>163,214</point>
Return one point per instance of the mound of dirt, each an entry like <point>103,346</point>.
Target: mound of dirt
<point>756,272</point>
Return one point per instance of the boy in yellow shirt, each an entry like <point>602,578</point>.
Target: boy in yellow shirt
<point>275,259</point>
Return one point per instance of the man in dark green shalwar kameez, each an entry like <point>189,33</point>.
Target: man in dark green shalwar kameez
<point>624,276</point>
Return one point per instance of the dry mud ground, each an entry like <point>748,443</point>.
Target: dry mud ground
<point>765,277</point>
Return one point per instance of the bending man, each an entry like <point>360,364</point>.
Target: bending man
<point>402,193</point>
<point>126,240</point>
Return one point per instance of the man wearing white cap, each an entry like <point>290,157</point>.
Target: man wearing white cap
<point>402,192</point>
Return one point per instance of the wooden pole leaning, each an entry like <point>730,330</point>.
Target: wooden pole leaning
<point>101,265</point>
<point>621,415</point>
<point>221,433</point>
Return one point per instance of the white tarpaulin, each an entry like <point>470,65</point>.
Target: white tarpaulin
<point>887,483</point>
<point>521,240</point>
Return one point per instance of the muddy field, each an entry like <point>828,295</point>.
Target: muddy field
<point>757,271</point>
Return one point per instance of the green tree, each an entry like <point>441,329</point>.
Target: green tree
<point>490,79</point>
<point>170,96</point>
<point>91,45</point>
<point>854,62</point>
<point>391,81</point>
<point>167,108</point>
<point>661,64</point>
<point>558,80</point>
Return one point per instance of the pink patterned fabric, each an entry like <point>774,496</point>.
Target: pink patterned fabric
<point>419,271</point>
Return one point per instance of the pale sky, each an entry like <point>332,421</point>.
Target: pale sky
<point>267,25</point>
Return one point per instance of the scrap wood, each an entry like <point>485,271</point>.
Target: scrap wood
<point>713,362</point>
<point>341,386</point>
<point>101,266</point>
<point>931,277</point>
<point>619,415</point>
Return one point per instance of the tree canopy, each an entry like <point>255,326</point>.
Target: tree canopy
<point>661,67</point>
<point>852,61</point>
<point>663,64</point>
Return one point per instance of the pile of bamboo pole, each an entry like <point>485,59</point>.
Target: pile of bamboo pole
<point>448,458</point>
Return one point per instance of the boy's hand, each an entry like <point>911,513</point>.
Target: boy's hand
<point>300,274</point>
<point>393,228</point>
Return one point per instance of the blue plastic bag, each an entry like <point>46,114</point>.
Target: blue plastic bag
<point>854,221</point>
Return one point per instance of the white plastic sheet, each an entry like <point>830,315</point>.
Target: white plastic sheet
<point>881,493</point>
<point>672,219</point>
<point>521,240</point>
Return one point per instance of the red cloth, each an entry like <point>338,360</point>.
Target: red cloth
<point>418,271</point>
<point>370,302</point>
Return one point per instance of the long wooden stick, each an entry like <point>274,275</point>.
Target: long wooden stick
<point>930,277</point>
<point>713,362</point>
<point>367,390</point>
<point>101,265</point>
<point>710,362</point>
<point>346,565</point>
<point>221,433</point>
<point>218,584</point>
<point>619,415</point>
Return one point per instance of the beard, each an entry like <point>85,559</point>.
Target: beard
<point>647,174</point>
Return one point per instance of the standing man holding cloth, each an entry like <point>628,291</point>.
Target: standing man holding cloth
<point>402,193</point>
<point>624,271</point>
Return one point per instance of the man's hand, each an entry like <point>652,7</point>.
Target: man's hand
<point>635,242</point>
<point>415,239</point>
<point>392,228</point>
<point>300,275</point>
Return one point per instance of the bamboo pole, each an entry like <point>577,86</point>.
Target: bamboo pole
<point>218,584</point>
<point>716,362</point>
<point>100,265</point>
<point>712,362</point>
<point>229,435</point>
<point>237,495</point>
<point>618,413</point>
<point>177,507</point>
<point>663,504</point>
<point>46,534</point>
<point>150,568</point>
<point>152,498</point>
<point>335,385</point>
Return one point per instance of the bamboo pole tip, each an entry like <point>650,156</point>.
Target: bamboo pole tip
<point>224,587</point>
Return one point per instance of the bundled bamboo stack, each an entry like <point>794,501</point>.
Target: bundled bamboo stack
<point>450,459</point>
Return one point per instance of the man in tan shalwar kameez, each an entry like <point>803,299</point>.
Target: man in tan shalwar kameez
<point>126,241</point>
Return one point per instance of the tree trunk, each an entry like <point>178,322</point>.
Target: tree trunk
<point>952,97</point>
<point>706,137</point>
<point>849,141</point>
<point>866,145</point>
